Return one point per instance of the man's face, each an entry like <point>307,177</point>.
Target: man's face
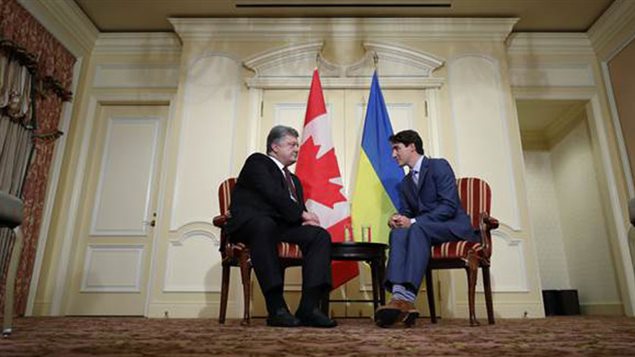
<point>286,150</point>
<point>403,154</point>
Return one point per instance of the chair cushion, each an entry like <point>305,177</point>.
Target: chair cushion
<point>11,210</point>
<point>289,250</point>
<point>453,250</point>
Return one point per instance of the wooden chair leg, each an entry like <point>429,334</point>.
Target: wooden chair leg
<point>245,274</point>
<point>224,292</point>
<point>7,327</point>
<point>472,271</point>
<point>374,272</point>
<point>430,292</point>
<point>487,285</point>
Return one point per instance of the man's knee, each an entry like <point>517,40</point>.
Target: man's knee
<point>398,236</point>
<point>261,229</point>
<point>321,235</point>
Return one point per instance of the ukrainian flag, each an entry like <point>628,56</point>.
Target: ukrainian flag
<point>375,194</point>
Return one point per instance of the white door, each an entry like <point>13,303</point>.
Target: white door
<point>110,265</point>
<point>347,110</point>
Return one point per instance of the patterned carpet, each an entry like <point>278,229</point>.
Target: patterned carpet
<point>75,336</point>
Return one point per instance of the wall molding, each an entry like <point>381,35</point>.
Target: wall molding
<point>291,67</point>
<point>92,249</point>
<point>434,29</point>
<point>614,29</point>
<point>147,43</point>
<point>617,126</point>
<point>65,20</point>
<point>570,43</point>
<point>187,232</point>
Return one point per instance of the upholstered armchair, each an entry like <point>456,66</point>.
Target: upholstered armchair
<point>476,198</point>
<point>11,214</point>
<point>237,254</point>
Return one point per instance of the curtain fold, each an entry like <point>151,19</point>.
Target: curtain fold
<point>16,124</point>
<point>16,139</point>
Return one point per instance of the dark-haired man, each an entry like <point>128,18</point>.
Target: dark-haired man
<point>430,213</point>
<point>267,207</point>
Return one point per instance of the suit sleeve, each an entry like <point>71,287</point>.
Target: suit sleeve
<point>447,195</point>
<point>257,175</point>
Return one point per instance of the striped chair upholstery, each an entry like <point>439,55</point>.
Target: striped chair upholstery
<point>476,198</point>
<point>237,254</point>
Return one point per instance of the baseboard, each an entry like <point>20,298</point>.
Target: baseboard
<point>187,309</point>
<point>41,309</point>
<point>607,309</point>
<point>505,310</point>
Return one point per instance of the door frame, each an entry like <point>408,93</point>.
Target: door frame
<point>69,225</point>
<point>599,133</point>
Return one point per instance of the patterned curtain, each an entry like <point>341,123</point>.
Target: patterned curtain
<point>35,74</point>
<point>16,128</point>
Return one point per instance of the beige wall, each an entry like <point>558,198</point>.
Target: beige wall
<point>622,72</point>
<point>545,220</point>
<point>212,109</point>
<point>585,237</point>
<point>569,224</point>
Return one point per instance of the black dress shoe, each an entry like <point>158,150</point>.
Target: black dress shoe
<point>282,318</point>
<point>315,318</point>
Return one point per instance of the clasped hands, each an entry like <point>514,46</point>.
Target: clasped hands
<point>398,221</point>
<point>310,219</point>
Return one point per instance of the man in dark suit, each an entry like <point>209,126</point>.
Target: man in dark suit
<point>267,207</point>
<point>430,213</point>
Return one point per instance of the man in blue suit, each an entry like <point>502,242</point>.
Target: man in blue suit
<point>430,213</point>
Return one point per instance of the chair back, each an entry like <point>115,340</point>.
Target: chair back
<point>476,197</point>
<point>224,200</point>
<point>225,194</point>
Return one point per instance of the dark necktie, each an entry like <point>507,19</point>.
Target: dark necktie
<point>415,177</point>
<point>290,185</point>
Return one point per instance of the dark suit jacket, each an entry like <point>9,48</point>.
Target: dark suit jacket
<point>436,199</point>
<point>261,190</point>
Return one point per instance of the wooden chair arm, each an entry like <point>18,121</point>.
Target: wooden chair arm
<point>220,220</point>
<point>486,224</point>
<point>490,222</point>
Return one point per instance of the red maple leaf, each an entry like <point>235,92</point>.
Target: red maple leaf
<point>315,175</point>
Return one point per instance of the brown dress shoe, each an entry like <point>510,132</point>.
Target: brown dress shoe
<point>396,310</point>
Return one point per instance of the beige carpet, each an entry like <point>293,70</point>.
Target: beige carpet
<point>563,336</point>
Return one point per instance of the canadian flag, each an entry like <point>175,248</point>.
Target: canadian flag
<point>321,179</point>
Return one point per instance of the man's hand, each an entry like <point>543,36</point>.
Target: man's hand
<point>398,221</point>
<point>310,218</point>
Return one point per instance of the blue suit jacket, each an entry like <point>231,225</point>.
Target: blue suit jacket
<point>436,200</point>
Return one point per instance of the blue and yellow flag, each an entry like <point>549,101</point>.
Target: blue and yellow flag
<point>375,195</point>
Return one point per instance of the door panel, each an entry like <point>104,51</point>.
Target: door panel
<point>110,270</point>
